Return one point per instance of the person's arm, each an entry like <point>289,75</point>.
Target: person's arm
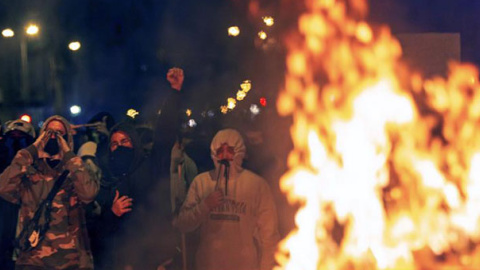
<point>85,185</point>
<point>195,209</point>
<point>167,122</point>
<point>11,178</point>
<point>267,224</point>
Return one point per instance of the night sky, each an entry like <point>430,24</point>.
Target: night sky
<point>128,46</point>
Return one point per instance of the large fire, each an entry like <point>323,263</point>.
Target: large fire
<point>386,164</point>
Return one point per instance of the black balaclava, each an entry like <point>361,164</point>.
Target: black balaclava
<point>53,144</point>
<point>120,160</point>
<point>16,140</point>
<point>52,147</point>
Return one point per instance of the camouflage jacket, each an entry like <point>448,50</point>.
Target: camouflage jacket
<point>27,181</point>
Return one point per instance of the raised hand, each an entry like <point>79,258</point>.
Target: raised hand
<point>214,199</point>
<point>42,140</point>
<point>175,77</point>
<point>102,126</point>
<point>121,205</point>
<point>63,144</point>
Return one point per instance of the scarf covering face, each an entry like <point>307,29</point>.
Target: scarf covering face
<point>232,138</point>
<point>120,160</point>
<point>15,142</point>
<point>52,148</point>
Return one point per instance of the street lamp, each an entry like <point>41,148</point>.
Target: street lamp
<point>8,33</point>
<point>75,110</point>
<point>74,46</point>
<point>32,30</point>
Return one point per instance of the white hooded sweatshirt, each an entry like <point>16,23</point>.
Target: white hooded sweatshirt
<point>240,234</point>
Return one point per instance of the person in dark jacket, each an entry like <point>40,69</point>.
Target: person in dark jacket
<point>135,220</point>
<point>18,135</point>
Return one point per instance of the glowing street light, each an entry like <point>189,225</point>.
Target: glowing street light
<point>254,109</point>
<point>262,35</point>
<point>75,110</point>
<point>192,123</point>
<point>233,31</point>
<point>224,109</point>
<point>8,33</point>
<point>246,86</point>
<point>269,21</point>
<point>188,112</point>
<point>32,30</point>
<point>241,95</point>
<point>74,45</point>
<point>231,103</point>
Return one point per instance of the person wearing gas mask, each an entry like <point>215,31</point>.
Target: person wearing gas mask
<point>18,135</point>
<point>135,220</point>
<point>58,239</point>
<point>234,210</point>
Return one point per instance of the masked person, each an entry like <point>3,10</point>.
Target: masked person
<point>28,182</point>
<point>18,135</point>
<point>135,221</point>
<point>234,210</point>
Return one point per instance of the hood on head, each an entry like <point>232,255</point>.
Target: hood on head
<point>20,125</point>
<point>129,129</point>
<point>65,123</point>
<point>232,138</point>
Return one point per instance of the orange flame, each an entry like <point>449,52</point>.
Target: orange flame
<point>385,163</point>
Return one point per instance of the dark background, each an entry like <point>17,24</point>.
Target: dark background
<point>128,46</point>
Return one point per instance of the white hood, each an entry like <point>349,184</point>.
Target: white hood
<point>232,138</point>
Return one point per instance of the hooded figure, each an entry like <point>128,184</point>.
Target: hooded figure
<point>18,135</point>
<point>28,181</point>
<point>234,209</point>
<point>135,208</point>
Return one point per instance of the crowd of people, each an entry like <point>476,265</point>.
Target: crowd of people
<point>125,196</point>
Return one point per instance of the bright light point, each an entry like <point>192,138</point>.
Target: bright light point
<point>246,86</point>
<point>32,30</point>
<point>26,118</point>
<point>254,109</point>
<point>74,46</point>
<point>231,103</point>
<point>224,109</point>
<point>262,35</point>
<point>75,110</point>
<point>188,112</point>
<point>241,95</point>
<point>192,123</point>
<point>263,101</point>
<point>269,21</point>
<point>233,31</point>
<point>8,33</point>
<point>132,113</point>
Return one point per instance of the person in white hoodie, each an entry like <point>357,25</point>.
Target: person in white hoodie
<point>234,210</point>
